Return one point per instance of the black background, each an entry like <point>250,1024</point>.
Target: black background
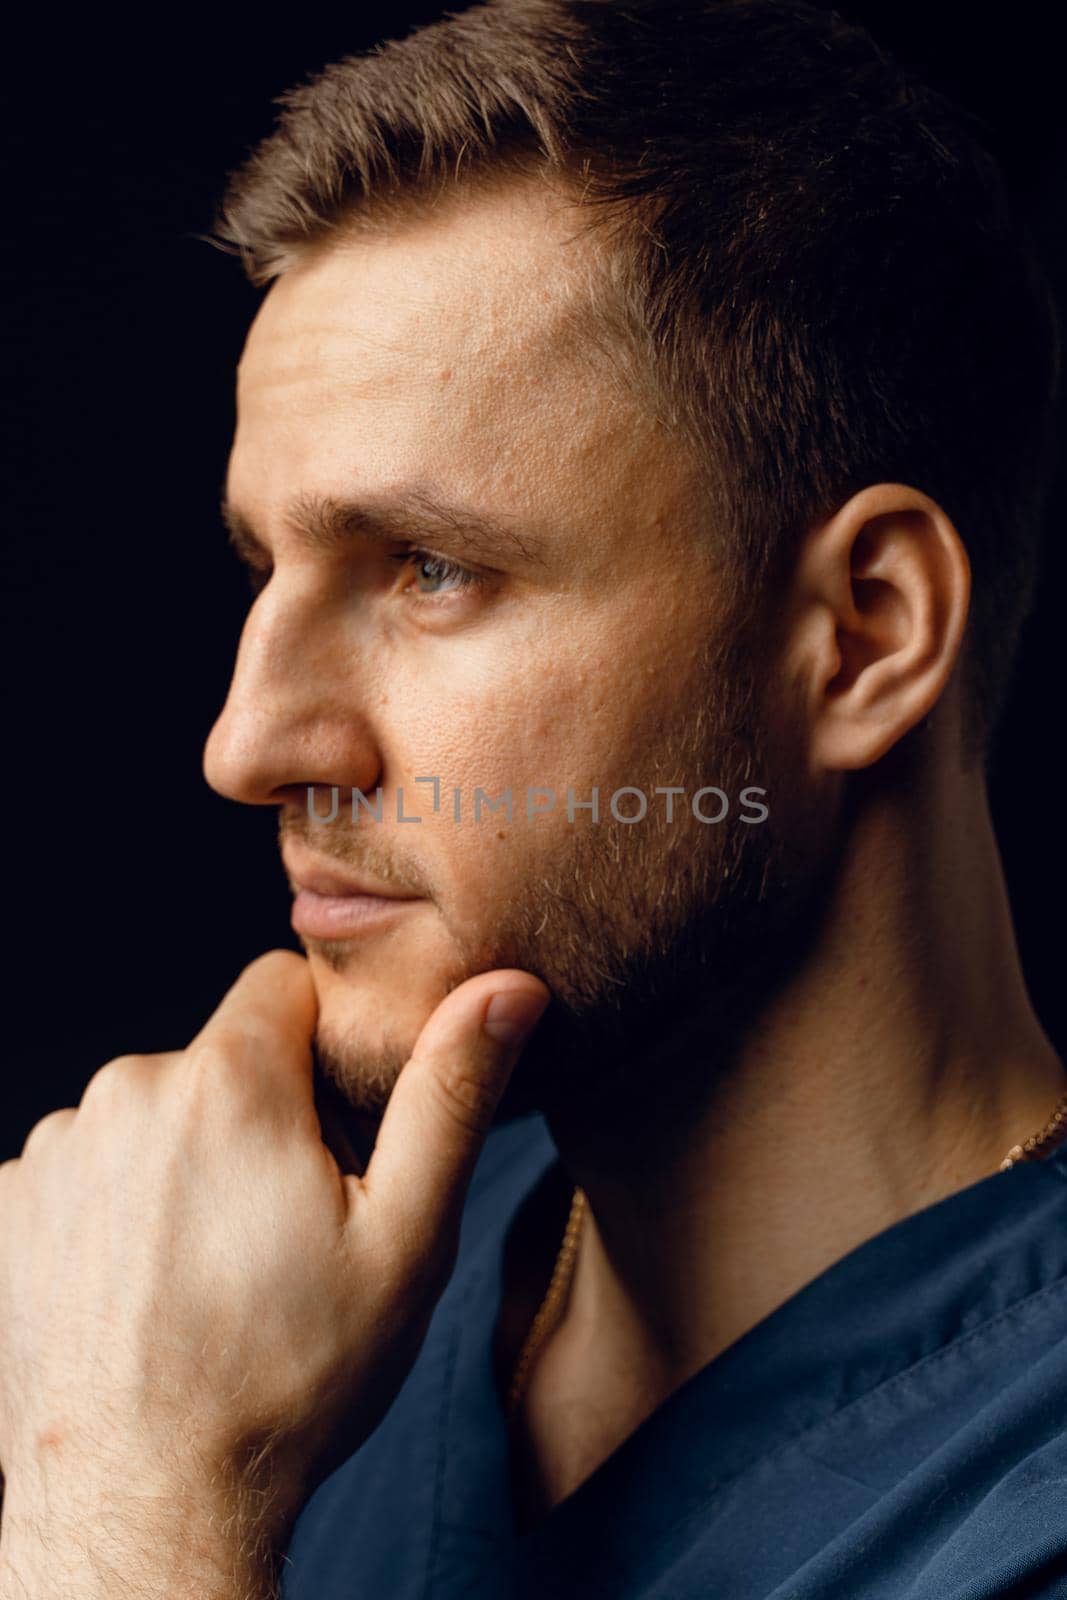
<point>133,895</point>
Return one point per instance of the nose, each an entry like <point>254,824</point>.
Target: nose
<point>294,716</point>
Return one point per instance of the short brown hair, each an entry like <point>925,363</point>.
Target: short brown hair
<point>812,255</point>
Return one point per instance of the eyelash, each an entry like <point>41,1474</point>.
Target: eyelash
<point>464,577</point>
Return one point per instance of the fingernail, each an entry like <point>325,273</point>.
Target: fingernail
<point>512,1014</point>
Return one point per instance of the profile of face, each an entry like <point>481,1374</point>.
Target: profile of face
<point>526,600</point>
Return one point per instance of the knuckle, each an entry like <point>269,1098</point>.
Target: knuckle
<point>464,1097</point>
<point>43,1131</point>
<point>223,1072</point>
<point>276,964</point>
<point>113,1077</point>
<point>216,1056</point>
<point>239,1043</point>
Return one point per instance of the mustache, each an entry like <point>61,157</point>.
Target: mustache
<point>350,847</point>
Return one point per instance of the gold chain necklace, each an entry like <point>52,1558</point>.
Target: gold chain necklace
<point>1051,1134</point>
<point>551,1306</point>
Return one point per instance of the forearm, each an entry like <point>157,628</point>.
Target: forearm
<point>131,1547</point>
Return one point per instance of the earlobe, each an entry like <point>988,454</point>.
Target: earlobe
<point>889,580</point>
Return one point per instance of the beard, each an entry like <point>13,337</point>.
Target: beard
<point>660,942</point>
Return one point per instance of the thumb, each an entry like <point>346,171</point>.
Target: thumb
<point>443,1104</point>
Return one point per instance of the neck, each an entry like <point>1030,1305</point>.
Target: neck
<point>898,1064</point>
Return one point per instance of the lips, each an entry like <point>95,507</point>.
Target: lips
<point>330,882</point>
<point>331,904</point>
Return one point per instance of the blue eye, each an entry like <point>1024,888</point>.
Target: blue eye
<point>434,575</point>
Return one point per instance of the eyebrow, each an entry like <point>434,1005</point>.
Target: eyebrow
<point>327,524</point>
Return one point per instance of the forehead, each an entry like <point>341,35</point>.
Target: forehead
<point>453,351</point>
<point>484,291</point>
<point>450,342</point>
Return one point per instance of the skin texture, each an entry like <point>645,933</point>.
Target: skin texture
<point>870,1001</point>
<point>836,1031</point>
<point>203,1312</point>
<point>384,365</point>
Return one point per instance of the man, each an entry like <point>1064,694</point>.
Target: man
<point>640,457</point>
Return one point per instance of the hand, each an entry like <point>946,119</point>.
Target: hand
<point>194,1298</point>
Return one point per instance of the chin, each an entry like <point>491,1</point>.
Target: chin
<point>371,1013</point>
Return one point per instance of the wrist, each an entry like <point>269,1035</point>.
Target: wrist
<point>148,1543</point>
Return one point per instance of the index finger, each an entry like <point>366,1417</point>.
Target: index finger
<point>269,1014</point>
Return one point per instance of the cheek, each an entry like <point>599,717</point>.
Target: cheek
<point>583,700</point>
<point>566,706</point>
<point>509,743</point>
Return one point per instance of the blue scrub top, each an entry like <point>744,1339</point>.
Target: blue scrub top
<point>897,1430</point>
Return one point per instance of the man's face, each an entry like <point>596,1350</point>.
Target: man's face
<point>561,629</point>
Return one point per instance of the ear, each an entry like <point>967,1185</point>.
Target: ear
<point>879,606</point>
